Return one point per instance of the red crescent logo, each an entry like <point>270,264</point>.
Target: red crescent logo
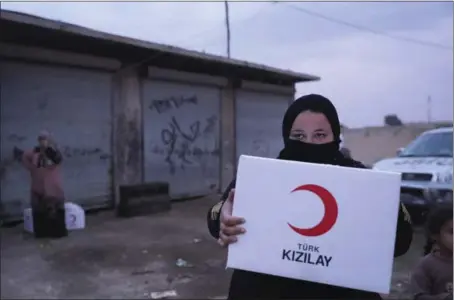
<point>331,211</point>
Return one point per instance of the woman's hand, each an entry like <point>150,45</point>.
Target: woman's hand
<point>230,225</point>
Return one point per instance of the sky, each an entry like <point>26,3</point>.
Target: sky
<point>366,75</point>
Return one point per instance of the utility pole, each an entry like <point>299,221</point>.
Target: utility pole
<point>227,26</point>
<point>429,109</point>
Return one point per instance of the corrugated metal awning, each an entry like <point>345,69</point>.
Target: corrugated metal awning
<point>28,29</point>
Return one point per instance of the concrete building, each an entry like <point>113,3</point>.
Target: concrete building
<point>125,111</point>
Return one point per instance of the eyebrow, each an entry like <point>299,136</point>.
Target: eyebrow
<point>297,131</point>
<point>301,130</point>
<point>320,130</point>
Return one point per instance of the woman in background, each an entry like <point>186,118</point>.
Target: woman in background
<point>311,133</point>
<point>47,197</point>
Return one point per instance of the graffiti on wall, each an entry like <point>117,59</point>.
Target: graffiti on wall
<point>75,152</point>
<point>183,146</point>
<point>68,152</point>
<point>10,162</point>
<point>15,138</point>
<point>167,104</point>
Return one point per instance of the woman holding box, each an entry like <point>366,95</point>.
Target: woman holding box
<point>311,133</point>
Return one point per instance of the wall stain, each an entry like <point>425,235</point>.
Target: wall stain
<point>42,104</point>
<point>260,147</point>
<point>133,143</point>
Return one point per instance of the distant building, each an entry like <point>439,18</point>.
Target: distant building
<point>371,144</point>
<point>125,111</point>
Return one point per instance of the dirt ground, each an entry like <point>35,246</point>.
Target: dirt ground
<point>132,258</point>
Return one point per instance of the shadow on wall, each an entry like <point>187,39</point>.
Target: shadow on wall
<point>372,144</point>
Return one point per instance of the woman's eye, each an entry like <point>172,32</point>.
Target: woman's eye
<point>297,136</point>
<point>320,136</point>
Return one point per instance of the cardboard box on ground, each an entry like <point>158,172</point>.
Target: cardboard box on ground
<point>319,223</point>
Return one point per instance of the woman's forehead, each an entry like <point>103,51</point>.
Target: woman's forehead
<point>309,120</point>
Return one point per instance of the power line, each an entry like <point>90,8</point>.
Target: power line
<point>153,57</point>
<point>366,29</point>
<point>239,22</point>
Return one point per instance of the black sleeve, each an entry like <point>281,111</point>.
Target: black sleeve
<point>404,234</point>
<point>54,155</point>
<point>215,212</point>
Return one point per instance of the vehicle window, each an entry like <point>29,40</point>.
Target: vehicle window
<point>431,144</point>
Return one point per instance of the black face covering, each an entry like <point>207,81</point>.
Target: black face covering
<point>313,153</point>
<point>327,153</point>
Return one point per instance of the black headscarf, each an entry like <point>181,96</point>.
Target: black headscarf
<point>327,153</point>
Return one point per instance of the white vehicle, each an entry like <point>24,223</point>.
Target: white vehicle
<point>426,168</point>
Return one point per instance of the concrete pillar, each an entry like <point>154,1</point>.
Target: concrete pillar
<point>127,130</point>
<point>228,146</point>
